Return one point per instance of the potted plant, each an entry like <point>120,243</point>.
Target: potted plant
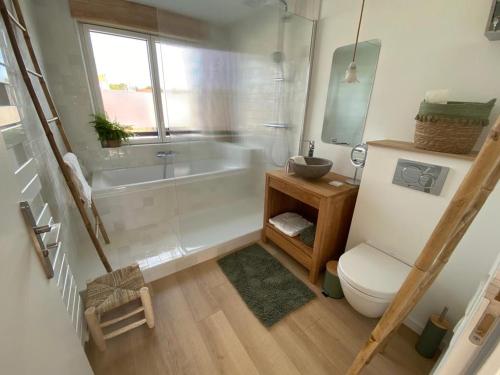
<point>110,133</point>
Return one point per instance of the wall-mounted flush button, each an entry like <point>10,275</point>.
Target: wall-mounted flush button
<point>428,178</point>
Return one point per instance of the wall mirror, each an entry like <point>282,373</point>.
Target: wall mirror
<point>347,103</point>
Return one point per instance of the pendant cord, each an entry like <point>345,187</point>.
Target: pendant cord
<point>359,28</point>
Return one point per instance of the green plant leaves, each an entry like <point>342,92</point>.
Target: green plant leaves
<point>109,130</point>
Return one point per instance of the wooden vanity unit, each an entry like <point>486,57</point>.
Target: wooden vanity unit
<point>330,207</point>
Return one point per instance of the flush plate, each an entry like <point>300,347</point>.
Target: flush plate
<point>428,178</point>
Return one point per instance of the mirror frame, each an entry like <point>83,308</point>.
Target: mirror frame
<point>324,137</point>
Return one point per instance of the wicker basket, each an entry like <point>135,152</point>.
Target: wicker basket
<point>447,136</point>
<point>453,127</point>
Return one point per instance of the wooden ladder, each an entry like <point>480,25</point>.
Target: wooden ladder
<point>468,200</point>
<point>17,20</point>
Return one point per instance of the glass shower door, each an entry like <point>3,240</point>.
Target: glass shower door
<point>221,98</point>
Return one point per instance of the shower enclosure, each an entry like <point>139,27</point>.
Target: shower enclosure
<point>232,106</point>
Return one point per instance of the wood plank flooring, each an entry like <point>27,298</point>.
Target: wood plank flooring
<point>203,327</point>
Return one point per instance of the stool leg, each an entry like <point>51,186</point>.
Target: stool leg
<point>95,328</point>
<point>148,306</point>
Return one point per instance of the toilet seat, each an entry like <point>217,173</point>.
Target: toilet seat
<point>372,272</point>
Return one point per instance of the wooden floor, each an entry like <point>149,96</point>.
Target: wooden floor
<point>203,327</point>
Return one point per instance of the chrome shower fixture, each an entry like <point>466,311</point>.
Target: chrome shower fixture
<point>258,3</point>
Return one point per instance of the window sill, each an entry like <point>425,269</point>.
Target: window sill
<point>138,141</point>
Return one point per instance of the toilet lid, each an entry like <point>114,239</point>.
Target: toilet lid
<point>373,272</point>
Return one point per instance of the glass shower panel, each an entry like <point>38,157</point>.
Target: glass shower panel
<point>233,106</point>
<point>194,88</point>
<point>298,34</point>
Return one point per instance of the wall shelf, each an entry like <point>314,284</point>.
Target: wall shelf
<point>491,33</point>
<point>409,146</point>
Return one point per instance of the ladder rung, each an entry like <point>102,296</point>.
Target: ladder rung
<point>17,23</point>
<point>53,119</point>
<point>34,73</point>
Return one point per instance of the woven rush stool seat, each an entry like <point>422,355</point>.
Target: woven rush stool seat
<point>115,289</point>
<point>111,291</point>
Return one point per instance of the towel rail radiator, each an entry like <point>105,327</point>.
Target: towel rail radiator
<point>36,236</point>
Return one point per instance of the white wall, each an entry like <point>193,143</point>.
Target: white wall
<point>425,44</point>
<point>399,221</point>
<point>36,335</point>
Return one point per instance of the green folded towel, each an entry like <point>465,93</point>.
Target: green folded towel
<point>464,112</point>
<point>307,235</point>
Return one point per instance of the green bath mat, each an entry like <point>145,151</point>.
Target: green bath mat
<point>267,287</point>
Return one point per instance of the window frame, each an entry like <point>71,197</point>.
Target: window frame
<point>162,134</point>
<point>181,42</point>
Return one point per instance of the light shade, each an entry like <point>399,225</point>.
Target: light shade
<point>351,74</point>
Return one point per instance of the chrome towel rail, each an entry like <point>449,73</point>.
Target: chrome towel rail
<point>36,233</point>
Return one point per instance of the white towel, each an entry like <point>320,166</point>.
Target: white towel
<point>437,96</point>
<point>290,223</point>
<point>299,160</point>
<point>84,188</point>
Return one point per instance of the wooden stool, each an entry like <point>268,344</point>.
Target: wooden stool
<point>111,291</point>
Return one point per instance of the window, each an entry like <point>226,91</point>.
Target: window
<point>123,74</point>
<point>175,62</point>
<point>154,85</point>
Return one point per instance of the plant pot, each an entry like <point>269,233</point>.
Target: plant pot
<point>111,143</point>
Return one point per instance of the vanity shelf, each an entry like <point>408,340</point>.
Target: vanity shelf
<point>330,207</point>
<point>409,146</point>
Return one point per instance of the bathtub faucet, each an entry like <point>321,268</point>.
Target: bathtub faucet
<point>165,154</point>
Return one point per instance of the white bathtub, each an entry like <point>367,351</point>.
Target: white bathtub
<point>124,180</point>
<point>205,201</point>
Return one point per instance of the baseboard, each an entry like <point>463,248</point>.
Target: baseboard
<point>413,324</point>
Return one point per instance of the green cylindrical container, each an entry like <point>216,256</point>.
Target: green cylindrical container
<point>432,335</point>
<point>331,285</point>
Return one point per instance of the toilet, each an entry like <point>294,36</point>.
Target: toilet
<point>370,279</point>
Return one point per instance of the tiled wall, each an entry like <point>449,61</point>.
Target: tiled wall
<point>60,52</point>
<point>54,188</point>
<point>250,69</point>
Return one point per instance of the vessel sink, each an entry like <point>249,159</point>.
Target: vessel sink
<point>315,168</point>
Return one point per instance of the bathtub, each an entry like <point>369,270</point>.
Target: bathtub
<point>123,180</point>
<point>167,215</point>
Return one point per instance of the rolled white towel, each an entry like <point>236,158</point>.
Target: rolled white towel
<point>437,96</point>
<point>83,186</point>
<point>299,160</point>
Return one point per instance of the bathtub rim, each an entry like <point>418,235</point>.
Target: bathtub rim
<point>162,183</point>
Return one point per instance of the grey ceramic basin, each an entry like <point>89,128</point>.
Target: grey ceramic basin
<point>315,168</point>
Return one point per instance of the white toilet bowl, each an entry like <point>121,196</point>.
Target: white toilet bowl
<point>370,279</point>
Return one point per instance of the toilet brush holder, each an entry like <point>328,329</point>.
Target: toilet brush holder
<point>432,335</point>
<point>331,284</point>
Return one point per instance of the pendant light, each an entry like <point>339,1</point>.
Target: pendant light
<point>351,74</point>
